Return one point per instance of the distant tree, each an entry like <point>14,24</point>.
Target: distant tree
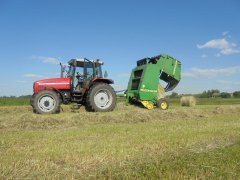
<point>214,95</point>
<point>209,93</point>
<point>173,95</point>
<point>236,94</point>
<point>225,95</point>
<point>25,96</point>
<point>203,94</point>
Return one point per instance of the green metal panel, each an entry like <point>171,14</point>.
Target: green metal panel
<point>170,66</point>
<point>148,86</point>
<point>144,79</point>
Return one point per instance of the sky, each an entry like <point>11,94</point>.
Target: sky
<point>203,35</point>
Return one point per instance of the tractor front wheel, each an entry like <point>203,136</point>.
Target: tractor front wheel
<point>101,98</point>
<point>163,103</point>
<point>46,102</point>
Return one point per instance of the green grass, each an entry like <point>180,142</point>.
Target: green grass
<point>220,163</point>
<point>131,142</point>
<point>12,101</point>
<point>218,101</point>
<point>209,101</point>
<point>23,101</point>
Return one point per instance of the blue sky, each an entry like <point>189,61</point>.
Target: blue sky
<point>203,35</point>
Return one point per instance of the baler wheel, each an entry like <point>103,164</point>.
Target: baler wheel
<point>147,104</point>
<point>163,104</point>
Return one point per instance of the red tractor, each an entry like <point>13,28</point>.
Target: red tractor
<point>83,84</point>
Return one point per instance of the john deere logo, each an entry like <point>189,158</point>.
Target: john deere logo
<point>143,86</point>
<point>148,90</point>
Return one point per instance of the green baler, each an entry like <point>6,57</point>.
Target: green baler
<point>144,86</point>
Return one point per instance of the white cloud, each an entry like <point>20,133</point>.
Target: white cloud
<point>225,33</point>
<point>203,55</point>
<point>34,76</point>
<point>188,74</point>
<point>19,81</point>
<point>215,43</point>
<point>229,82</point>
<point>226,47</point>
<point>230,51</point>
<point>49,60</point>
<point>197,72</point>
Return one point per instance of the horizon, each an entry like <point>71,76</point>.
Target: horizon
<point>167,94</point>
<point>204,36</point>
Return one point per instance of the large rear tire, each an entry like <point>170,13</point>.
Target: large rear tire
<point>101,98</point>
<point>46,102</point>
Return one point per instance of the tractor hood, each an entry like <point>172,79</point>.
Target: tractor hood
<point>53,83</point>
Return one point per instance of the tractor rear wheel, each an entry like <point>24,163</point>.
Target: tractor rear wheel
<point>46,102</point>
<point>101,98</point>
<point>163,103</point>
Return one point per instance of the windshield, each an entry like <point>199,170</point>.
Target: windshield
<point>69,71</point>
<point>87,71</point>
<point>98,70</point>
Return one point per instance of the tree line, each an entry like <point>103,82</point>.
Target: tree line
<point>214,93</point>
<point>16,97</point>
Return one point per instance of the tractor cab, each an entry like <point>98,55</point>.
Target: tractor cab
<point>82,71</point>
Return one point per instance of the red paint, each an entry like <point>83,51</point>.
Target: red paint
<point>62,84</point>
<point>53,83</point>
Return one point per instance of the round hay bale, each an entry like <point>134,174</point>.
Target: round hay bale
<point>188,101</point>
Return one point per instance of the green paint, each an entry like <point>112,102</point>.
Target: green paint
<point>144,79</point>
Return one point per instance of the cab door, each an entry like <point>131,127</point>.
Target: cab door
<point>88,72</point>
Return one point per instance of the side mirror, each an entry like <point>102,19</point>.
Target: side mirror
<point>105,74</point>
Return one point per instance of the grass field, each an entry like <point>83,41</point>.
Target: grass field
<point>13,101</point>
<point>201,142</point>
<point>24,101</point>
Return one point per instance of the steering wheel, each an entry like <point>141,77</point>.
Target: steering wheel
<point>79,75</point>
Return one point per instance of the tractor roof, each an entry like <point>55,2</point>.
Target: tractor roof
<point>80,62</point>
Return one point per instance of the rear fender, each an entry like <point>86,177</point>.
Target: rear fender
<point>104,80</point>
<point>96,80</point>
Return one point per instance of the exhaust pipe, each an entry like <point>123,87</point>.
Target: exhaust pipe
<point>62,69</point>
